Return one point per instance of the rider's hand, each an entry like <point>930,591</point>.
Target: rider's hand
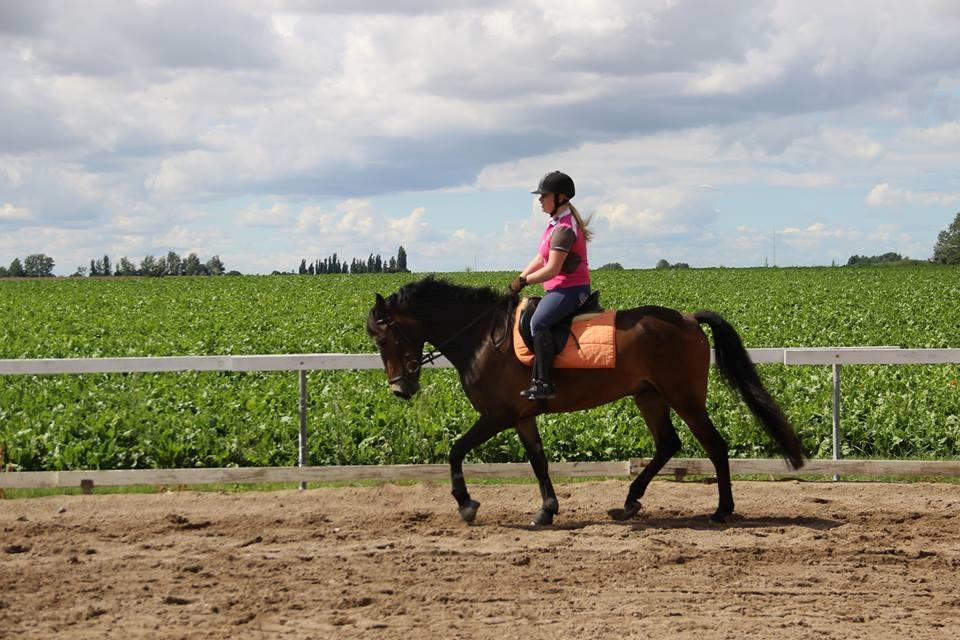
<point>518,283</point>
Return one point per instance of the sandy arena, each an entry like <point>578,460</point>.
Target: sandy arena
<point>801,560</point>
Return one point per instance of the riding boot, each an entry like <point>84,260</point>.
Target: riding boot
<point>542,387</point>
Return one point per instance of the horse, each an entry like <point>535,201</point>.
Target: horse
<point>663,358</point>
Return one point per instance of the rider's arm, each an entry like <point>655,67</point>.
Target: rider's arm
<point>535,264</point>
<point>561,242</point>
<point>549,270</point>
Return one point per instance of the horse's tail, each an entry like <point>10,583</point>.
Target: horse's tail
<point>735,365</point>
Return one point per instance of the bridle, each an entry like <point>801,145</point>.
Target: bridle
<point>412,364</point>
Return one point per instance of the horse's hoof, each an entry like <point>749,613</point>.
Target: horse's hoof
<point>543,518</point>
<point>626,513</point>
<point>468,510</point>
<point>720,517</point>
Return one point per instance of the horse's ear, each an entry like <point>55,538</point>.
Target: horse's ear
<point>381,303</point>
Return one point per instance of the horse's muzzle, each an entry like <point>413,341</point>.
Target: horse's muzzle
<point>405,389</point>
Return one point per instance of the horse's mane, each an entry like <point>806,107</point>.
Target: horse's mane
<point>434,292</point>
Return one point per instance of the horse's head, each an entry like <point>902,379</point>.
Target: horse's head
<point>400,339</point>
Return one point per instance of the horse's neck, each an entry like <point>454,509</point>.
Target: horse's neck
<point>460,343</point>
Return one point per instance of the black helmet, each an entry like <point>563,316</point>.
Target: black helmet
<point>556,182</point>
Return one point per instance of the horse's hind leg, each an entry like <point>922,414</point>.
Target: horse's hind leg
<point>530,437</point>
<point>656,413</point>
<point>716,447</point>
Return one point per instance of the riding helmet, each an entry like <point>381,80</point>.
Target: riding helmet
<point>556,182</point>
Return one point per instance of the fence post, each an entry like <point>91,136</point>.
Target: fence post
<point>302,457</point>
<point>836,415</point>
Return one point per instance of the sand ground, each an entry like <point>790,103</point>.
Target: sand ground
<point>799,560</point>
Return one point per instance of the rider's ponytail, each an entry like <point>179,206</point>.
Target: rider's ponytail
<point>581,223</point>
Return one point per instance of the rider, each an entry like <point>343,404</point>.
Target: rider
<point>561,265</point>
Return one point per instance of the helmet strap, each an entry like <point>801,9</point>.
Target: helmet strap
<point>557,204</point>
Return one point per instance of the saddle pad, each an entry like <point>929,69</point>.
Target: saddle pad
<point>594,332</point>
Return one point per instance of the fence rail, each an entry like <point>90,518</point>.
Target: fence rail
<point>302,363</point>
<point>678,467</point>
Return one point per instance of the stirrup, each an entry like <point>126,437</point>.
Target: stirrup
<point>540,390</point>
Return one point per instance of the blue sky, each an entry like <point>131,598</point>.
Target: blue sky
<point>270,131</point>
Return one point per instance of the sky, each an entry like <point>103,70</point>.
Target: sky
<point>736,133</point>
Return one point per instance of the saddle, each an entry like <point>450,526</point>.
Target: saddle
<point>561,330</point>
<point>591,327</point>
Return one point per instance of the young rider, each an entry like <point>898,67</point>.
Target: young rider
<point>561,266</point>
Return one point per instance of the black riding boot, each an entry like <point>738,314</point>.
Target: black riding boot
<point>542,387</point>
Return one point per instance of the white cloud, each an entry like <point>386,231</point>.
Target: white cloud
<point>411,227</point>
<point>883,195</point>
<point>277,215</point>
<point>186,240</point>
<point>10,212</point>
<point>354,218</point>
<point>726,78</point>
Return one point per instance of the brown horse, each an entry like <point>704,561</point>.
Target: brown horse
<point>663,357</point>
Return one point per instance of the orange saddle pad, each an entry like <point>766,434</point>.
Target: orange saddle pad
<point>592,343</point>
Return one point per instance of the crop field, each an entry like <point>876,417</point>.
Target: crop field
<point>167,420</point>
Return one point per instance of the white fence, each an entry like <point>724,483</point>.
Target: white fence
<point>302,363</point>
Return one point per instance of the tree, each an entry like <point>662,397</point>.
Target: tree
<point>215,266</point>
<point>150,266</point>
<point>192,266</point>
<point>947,249</point>
<point>126,268</point>
<point>662,264</point>
<point>3,272</point>
<point>100,267</point>
<point>302,269</point>
<point>174,264</point>
<point>402,260</point>
<point>16,269</point>
<point>612,266</point>
<point>38,265</point>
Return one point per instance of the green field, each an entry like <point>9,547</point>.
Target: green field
<point>245,419</point>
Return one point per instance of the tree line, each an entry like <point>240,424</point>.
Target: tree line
<point>154,267</point>
<point>373,264</point>
<point>39,265</point>
<point>36,265</point>
<point>945,251</point>
<point>889,258</point>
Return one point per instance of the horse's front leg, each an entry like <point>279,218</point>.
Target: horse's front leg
<point>530,437</point>
<point>481,431</point>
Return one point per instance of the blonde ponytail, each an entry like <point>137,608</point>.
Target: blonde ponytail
<point>581,223</point>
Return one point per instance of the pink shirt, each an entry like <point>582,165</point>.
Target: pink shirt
<point>567,277</point>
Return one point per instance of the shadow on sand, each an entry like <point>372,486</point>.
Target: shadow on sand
<point>645,523</point>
